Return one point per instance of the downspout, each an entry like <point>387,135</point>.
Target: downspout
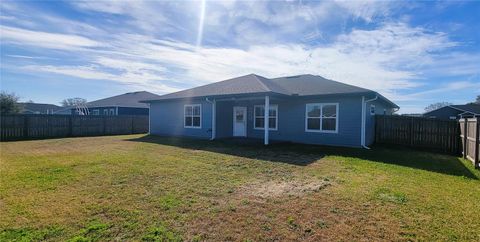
<point>364,121</point>
<point>214,116</point>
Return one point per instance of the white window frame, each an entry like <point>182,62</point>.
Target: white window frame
<point>372,106</point>
<point>112,112</point>
<point>185,115</point>
<point>321,123</point>
<point>274,106</point>
<point>96,112</point>
<point>105,112</point>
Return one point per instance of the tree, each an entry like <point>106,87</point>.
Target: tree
<point>76,101</point>
<point>9,103</point>
<point>477,101</point>
<point>435,106</point>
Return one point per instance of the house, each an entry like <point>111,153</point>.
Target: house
<point>38,108</point>
<point>124,104</point>
<point>303,109</point>
<point>455,112</point>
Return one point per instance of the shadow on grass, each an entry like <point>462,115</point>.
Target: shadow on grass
<point>301,154</point>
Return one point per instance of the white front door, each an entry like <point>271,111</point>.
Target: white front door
<point>240,121</point>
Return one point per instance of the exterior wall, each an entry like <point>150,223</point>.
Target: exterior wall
<point>291,121</point>
<point>167,118</point>
<point>132,111</point>
<point>443,113</point>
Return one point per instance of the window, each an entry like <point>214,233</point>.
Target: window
<point>105,112</point>
<point>259,119</point>
<point>372,109</point>
<point>112,111</point>
<point>95,112</point>
<point>453,117</point>
<point>192,114</point>
<point>321,117</point>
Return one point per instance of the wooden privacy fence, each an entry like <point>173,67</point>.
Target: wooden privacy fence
<point>24,127</point>
<point>470,128</point>
<point>418,132</point>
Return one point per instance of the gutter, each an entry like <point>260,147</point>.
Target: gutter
<point>214,116</point>
<point>364,103</point>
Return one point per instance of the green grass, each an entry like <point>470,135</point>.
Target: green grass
<point>170,189</point>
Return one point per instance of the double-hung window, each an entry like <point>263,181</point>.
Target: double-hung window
<point>193,116</point>
<point>259,119</point>
<point>96,112</point>
<point>105,112</point>
<point>321,117</point>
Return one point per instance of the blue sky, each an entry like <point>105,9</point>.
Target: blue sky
<point>415,53</point>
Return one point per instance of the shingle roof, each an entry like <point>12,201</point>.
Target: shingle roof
<point>301,85</point>
<point>472,108</point>
<point>305,85</point>
<point>130,99</point>
<point>40,108</point>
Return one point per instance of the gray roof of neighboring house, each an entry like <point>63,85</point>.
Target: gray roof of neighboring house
<point>301,85</point>
<point>130,99</point>
<point>40,108</point>
<point>472,108</point>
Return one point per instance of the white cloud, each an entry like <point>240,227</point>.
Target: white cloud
<point>44,39</point>
<point>374,59</point>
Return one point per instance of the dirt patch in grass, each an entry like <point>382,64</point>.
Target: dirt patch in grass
<point>280,188</point>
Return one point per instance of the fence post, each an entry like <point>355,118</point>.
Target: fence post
<point>410,127</point>
<point>25,126</point>
<point>104,125</point>
<point>70,125</point>
<point>476,158</point>
<point>465,136</point>
<point>131,130</point>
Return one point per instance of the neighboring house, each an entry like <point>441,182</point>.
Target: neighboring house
<point>38,108</point>
<point>455,112</point>
<point>302,109</point>
<point>125,104</point>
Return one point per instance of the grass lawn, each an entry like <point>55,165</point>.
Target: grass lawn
<point>168,189</point>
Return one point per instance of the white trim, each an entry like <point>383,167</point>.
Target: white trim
<point>337,105</point>
<point>374,110</point>
<point>255,117</point>
<point>95,112</point>
<point>200,116</point>
<point>244,117</point>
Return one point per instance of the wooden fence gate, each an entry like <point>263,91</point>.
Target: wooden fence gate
<point>418,132</point>
<point>40,126</point>
<point>470,128</point>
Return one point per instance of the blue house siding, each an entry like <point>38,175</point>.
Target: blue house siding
<point>132,111</point>
<point>291,120</point>
<point>167,118</point>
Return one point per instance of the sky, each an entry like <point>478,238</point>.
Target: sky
<point>414,53</point>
